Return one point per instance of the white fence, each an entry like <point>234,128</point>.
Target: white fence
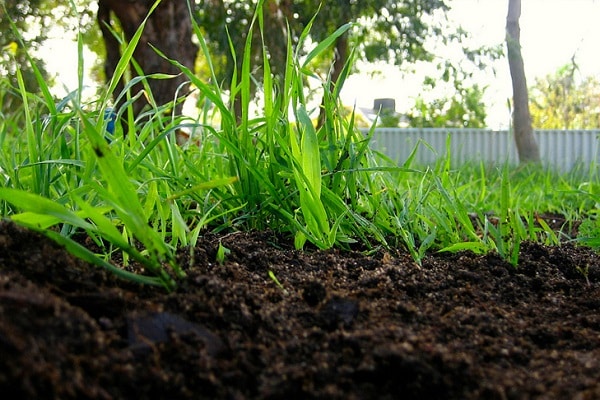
<point>559,149</point>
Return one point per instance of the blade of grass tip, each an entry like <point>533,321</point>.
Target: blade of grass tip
<point>288,77</point>
<point>233,84</point>
<point>32,142</point>
<point>344,74</point>
<point>203,45</point>
<point>274,279</point>
<point>505,204</point>
<point>267,80</point>
<point>222,253</point>
<point>322,46</point>
<point>483,180</point>
<point>326,43</point>
<point>179,228</point>
<point>80,63</point>
<point>310,156</point>
<point>427,243</point>
<point>245,78</point>
<point>411,157</point>
<point>309,177</point>
<point>305,32</point>
<point>551,234</point>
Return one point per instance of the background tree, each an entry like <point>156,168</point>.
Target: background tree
<point>388,30</point>
<point>565,100</point>
<point>37,21</point>
<point>168,28</point>
<point>226,23</point>
<point>527,147</point>
<point>391,31</point>
<point>15,44</point>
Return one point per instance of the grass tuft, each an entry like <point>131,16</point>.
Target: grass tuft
<point>145,196</point>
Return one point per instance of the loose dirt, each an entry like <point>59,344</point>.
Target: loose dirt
<point>344,325</point>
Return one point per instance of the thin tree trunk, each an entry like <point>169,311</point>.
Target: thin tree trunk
<point>169,29</point>
<point>527,147</point>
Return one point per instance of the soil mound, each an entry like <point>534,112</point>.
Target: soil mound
<point>344,325</point>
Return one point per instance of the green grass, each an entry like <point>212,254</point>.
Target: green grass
<point>145,197</point>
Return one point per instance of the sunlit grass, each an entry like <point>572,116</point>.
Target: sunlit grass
<point>145,196</point>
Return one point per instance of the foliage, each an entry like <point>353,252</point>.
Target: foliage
<point>25,26</point>
<point>565,100</point>
<point>388,118</point>
<point>464,107</point>
<point>389,31</point>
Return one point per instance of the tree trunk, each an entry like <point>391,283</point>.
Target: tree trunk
<point>169,29</point>
<point>527,147</point>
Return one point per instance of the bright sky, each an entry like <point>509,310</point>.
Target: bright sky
<point>552,31</point>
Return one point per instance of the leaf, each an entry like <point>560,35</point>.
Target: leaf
<point>310,156</point>
<point>37,205</point>
<point>325,44</point>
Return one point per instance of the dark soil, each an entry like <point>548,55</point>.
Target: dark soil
<point>346,325</point>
